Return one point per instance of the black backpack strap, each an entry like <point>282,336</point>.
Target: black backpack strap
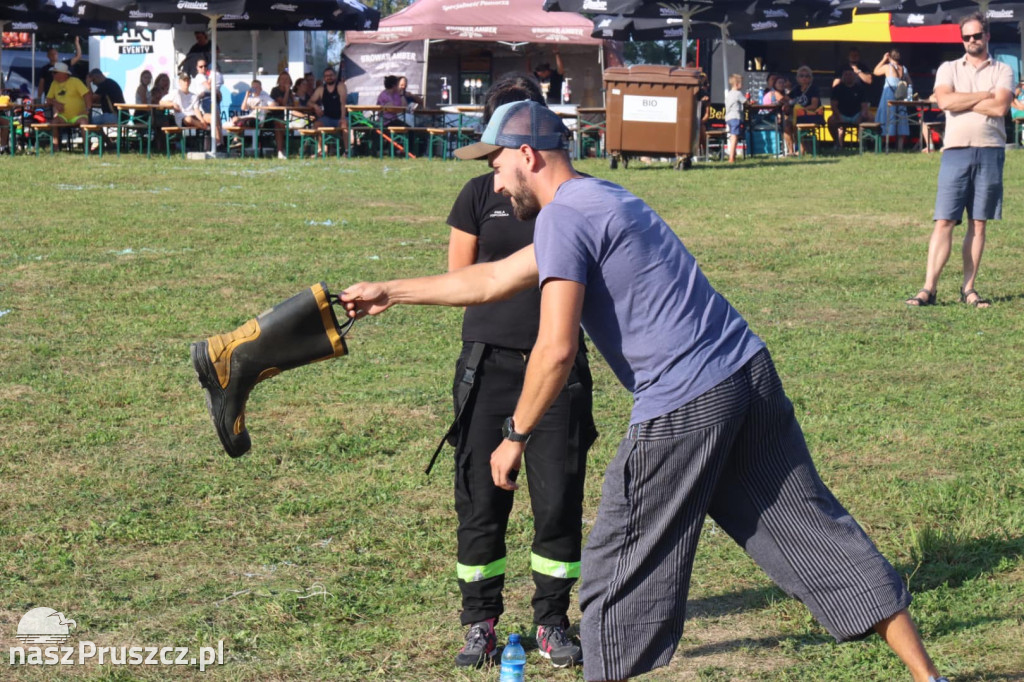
<point>462,391</point>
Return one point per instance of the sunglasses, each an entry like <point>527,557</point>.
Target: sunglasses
<point>977,37</point>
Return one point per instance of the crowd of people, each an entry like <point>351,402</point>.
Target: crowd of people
<point>798,100</point>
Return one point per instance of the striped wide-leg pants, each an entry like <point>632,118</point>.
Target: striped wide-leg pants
<point>738,454</point>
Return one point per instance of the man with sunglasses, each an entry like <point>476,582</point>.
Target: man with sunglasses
<point>975,92</point>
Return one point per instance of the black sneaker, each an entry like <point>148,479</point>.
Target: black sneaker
<point>554,644</point>
<point>480,644</point>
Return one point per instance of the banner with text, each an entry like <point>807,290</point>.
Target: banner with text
<point>365,65</point>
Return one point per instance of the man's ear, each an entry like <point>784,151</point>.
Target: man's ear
<point>530,156</point>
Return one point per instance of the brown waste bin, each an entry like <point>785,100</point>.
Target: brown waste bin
<point>651,110</point>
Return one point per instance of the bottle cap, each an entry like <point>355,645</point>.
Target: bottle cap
<point>513,638</point>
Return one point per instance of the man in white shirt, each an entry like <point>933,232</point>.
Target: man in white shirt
<point>183,102</point>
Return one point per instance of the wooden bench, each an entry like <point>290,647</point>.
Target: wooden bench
<point>174,134</point>
<point>807,131</point>
<point>49,131</point>
<point>237,134</point>
<point>401,138</point>
<point>442,135</point>
<point>869,131</point>
<point>320,139</point>
<point>139,129</point>
<point>90,132</point>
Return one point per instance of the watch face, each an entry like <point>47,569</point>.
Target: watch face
<point>508,432</point>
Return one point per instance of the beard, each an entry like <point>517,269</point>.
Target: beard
<point>525,204</point>
<point>976,49</point>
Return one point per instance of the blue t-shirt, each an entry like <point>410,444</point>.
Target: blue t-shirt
<point>666,333</point>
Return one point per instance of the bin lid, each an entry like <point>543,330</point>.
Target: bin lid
<point>652,73</point>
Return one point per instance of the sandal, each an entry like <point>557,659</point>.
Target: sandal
<point>929,299</point>
<point>979,302</point>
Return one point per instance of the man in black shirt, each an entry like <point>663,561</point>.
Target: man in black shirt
<point>850,106</point>
<point>328,102</point>
<point>201,49</point>
<point>47,78</point>
<point>551,82</point>
<point>105,96</point>
<point>860,70</point>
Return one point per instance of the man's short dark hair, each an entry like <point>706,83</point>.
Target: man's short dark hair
<point>514,87</point>
<point>975,16</point>
<point>544,67</point>
<point>390,82</point>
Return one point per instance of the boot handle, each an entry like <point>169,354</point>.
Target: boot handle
<point>334,299</point>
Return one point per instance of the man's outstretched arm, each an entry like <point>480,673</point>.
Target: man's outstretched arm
<point>480,283</point>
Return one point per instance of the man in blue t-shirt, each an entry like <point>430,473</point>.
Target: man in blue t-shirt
<point>711,432</point>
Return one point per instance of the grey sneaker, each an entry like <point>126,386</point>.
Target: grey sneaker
<point>554,644</point>
<point>479,647</point>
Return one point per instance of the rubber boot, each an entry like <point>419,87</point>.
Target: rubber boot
<point>293,333</point>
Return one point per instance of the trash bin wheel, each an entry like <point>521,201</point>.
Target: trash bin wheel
<point>683,162</point>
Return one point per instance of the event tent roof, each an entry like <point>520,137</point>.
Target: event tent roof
<point>507,21</point>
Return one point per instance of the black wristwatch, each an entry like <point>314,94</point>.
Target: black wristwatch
<point>508,432</point>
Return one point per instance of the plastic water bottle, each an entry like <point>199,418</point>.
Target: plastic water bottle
<point>760,95</point>
<point>910,91</point>
<point>513,661</point>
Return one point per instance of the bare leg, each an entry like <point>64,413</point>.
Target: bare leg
<point>974,245</point>
<point>900,633</point>
<point>279,136</point>
<point>939,246</point>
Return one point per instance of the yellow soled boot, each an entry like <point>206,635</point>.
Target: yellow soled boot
<point>295,332</point>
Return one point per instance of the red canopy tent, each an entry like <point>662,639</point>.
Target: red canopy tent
<point>459,40</point>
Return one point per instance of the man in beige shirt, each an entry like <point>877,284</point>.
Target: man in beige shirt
<point>975,92</point>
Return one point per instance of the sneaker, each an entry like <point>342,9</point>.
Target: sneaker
<point>281,155</point>
<point>554,644</point>
<point>480,645</point>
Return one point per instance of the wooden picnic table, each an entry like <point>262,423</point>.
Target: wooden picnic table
<point>773,113</point>
<point>283,114</point>
<point>917,108</point>
<point>370,117</point>
<point>137,117</point>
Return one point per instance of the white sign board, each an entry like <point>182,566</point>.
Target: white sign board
<point>649,109</point>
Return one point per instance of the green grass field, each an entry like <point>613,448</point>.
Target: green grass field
<point>326,554</point>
